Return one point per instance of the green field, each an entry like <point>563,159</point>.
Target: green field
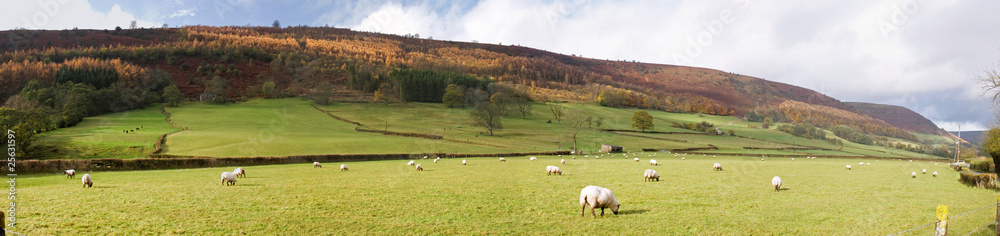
<point>292,126</point>
<point>819,197</point>
<point>102,136</point>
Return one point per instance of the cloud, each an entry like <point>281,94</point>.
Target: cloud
<point>182,13</point>
<point>62,14</point>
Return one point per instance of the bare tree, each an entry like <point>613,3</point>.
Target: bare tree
<point>523,105</point>
<point>487,115</point>
<point>990,86</point>
<point>133,25</point>
<point>577,123</point>
<point>557,111</point>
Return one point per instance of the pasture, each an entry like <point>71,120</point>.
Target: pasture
<point>103,137</point>
<point>819,197</point>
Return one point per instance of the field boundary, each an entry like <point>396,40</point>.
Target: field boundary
<point>404,134</point>
<point>642,136</point>
<point>162,140</point>
<point>335,116</point>
<point>167,161</point>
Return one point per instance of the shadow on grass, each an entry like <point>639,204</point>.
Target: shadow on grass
<point>104,187</point>
<point>632,212</point>
<point>783,189</point>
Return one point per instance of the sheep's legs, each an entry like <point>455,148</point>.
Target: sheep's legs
<point>602,211</point>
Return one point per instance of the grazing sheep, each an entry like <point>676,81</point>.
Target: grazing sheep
<point>861,163</point>
<point>411,163</point>
<point>436,160</point>
<point>597,197</point>
<point>574,157</point>
<point>228,178</point>
<point>425,157</point>
<point>317,165</point>
<point>343,167</point>
<point>717,166</point>
<point>924,172</point>
<point>70,173</point>
<point>552,170</point>
<point>463,162</point>
<point>420,168</point>
<point>503,160</point>
<point>793,158</point>
<point>682,158</point>
<point>636,159</point>
<point>762,159</point>
<point>848,167</point>
<point>240,172</point>
<point>934,174</point>
<point>914,174</point>
<point>563,161</point>
<point>776,181</point>
<point>87,181</point>
<point>532,159</point>
<point>650,175</point>
<point>653,162</point>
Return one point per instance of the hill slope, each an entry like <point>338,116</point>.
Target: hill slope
<point>298,60</point>
<point>898,116</point>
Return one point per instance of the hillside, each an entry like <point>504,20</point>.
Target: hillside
<point>897,116</point>
<point>240,62</point>
<point>974,137</point>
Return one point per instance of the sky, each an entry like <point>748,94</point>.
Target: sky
<point>920,54</point>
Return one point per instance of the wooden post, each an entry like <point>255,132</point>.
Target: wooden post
<point>996,230</point>
<point>3,224</point>
<point>941,228</point>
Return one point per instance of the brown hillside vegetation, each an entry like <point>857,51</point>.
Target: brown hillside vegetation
<point>828,117</point>
<point>898,116</point>
<point>300,59</point>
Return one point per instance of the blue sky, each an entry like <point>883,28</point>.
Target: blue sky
<point>924,55</point>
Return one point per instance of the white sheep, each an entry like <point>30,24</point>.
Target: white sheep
<point>532,159</point>
<point>574,157</point>
<point>861,163</point>
<point>552,170</point>
<point>420,168</point>
<point>793,158</point>
<point>682,158</point>
<point>650,175</point>
<point>411,163</point>
<point>87,181</point>
<point>924,172</point>
<point>463,162</point>
<point>848,167</point>
<point>653,162</point>
<point>503,160</point>
<point>425,157</point>
<point>436,160</point>
<point>636,159</point>
<point>563,161</point>
<point>317,165</point>
<point>776,181</point>
<point>240,172</point>
<point>717,166</point>
<point>762,159</point>
<point>70,173</point>
<point>597,197</point>
<point>228,178</point>
<point>914,174</point>
<point>935,173</point>
<point>343,167</point>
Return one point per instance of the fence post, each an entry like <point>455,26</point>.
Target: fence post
<point>996,230</point>
<point>941,228</point>
<point>3,224</point>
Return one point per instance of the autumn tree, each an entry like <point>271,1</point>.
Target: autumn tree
<point>642,120</point>
<point>577,123</point>
<point>487,115</point>
<point>172,96</point>
<point>522,104</point>
<point>557,111</point>
<point>268,89</point>
<point>991,145</point>
<point>385,93</point>
<point>453,96</point>
<point>218,88</point>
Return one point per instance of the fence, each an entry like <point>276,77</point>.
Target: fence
<point>942,218</point>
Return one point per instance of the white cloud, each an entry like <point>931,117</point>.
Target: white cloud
<point>64,14</point>
<point>182,13</point>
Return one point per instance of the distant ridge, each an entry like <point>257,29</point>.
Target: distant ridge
<point>897,116</point>
<point>975,137</point>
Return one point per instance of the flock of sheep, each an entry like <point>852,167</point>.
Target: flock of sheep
<point>592,196</point>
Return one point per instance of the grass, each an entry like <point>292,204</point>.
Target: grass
<point>102,136</point>
<point>819,197</point>
<point>279,127</point>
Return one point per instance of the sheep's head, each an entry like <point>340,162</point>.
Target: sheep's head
<point>614,208</point>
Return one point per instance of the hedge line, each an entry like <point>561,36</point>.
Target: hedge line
<point>981,180</point>
<point>166,161</point>
<point>416,135</point>
<point>651,132</point>
<point>336,117</point>
<point>790,148</point>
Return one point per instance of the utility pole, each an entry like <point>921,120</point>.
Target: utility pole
<point>958,143</point>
